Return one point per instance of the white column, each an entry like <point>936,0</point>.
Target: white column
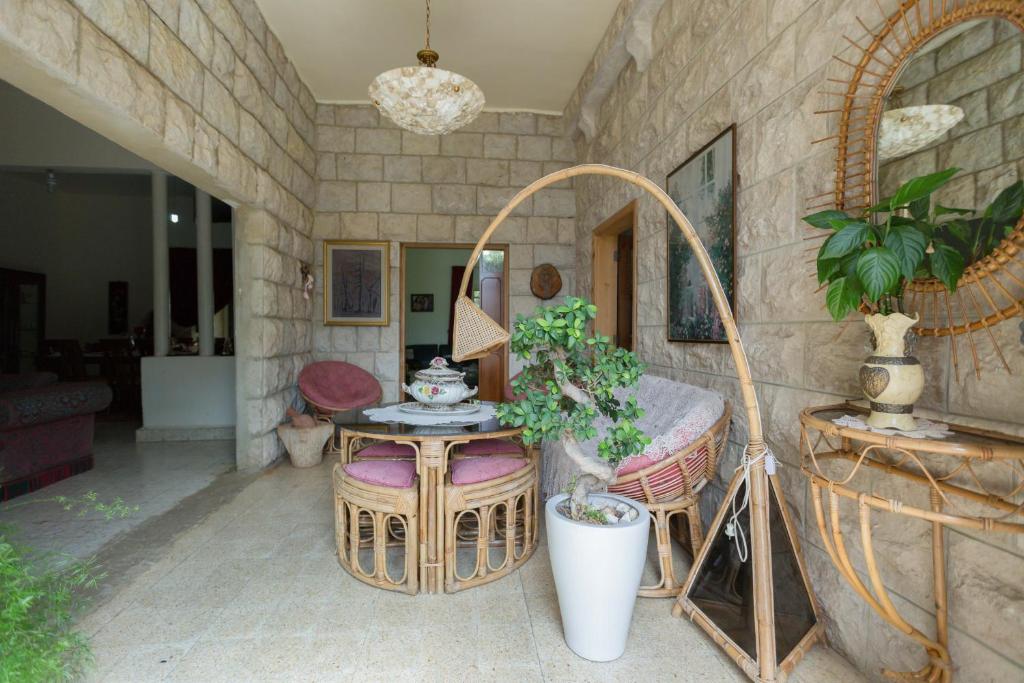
<point>161,267</point>
<point>204,263</point>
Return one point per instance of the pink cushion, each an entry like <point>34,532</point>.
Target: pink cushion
<point>395,474</point>
<point>335,386</point>
<point>475,470</point>
<point>492,447</point>
<point>387,449</point>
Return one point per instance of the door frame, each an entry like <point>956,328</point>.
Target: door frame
<point>603,288</point>
<point>469,246</point>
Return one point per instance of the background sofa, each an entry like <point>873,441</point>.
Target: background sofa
<point>46,429</point>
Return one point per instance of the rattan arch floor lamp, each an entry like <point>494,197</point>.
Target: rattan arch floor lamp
<point>759,609</point>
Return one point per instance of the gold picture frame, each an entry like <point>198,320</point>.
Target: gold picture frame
<point>357,283</point>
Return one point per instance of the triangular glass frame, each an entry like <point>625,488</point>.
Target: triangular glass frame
<point>761,612</point>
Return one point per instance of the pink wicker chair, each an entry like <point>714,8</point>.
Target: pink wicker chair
<point>332,387</point>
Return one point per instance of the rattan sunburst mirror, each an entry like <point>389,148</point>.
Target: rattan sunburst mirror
<point>966,55</point>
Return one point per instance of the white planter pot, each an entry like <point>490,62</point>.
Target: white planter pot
<point>597,572</point>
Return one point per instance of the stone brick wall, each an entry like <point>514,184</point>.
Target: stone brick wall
<point>761,64</point>
<point>377,182</point>
<point>203,89</point>
<point>979,71</point>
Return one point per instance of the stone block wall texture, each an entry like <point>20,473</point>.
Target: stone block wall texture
<point>761,64</point>
<point>377,182</point>
<point>980,71</point>
<point>203,89</point>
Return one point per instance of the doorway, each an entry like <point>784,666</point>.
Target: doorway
<point>614,287</point>
<point>430,278</point>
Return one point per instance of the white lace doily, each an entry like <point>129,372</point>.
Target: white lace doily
<point>926,429</point>
<point>393,414</point>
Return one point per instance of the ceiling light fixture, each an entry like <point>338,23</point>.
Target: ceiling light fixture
<point>907,129</point>
<point>424,99</point>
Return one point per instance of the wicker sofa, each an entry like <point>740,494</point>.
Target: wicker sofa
<point>689,427</point>
<point>46,429</point>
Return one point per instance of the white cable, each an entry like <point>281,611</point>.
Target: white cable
<point>733,528</point>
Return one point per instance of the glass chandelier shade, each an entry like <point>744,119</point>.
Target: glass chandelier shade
<point>908,129</point>
<point>424,99</point>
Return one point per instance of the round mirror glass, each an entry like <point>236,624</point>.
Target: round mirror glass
<point>958,102</point>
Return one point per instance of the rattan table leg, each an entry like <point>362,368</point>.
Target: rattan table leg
<point>432,515</point>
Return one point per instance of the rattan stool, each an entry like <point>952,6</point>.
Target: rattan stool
<point>490,510</point>
<point>671,488</point>
<point>376,509</point>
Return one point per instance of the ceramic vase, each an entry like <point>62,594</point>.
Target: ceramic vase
<point>891,378</point>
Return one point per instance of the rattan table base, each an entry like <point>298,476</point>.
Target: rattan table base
<point>948,468</point>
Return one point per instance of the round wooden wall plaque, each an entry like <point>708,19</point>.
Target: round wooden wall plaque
<point>545,281</point>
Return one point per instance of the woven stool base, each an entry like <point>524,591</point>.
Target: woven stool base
<point>375,530</point>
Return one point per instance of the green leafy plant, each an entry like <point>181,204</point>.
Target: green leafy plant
<point>569,380</point>
<point>40,596</point>
<point>869,258</point>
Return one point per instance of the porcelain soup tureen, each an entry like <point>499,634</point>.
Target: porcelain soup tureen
<point>439,386</point>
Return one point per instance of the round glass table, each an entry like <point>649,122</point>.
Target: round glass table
<point>434,446</point>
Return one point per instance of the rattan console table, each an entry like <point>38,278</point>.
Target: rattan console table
<point>972,477</point>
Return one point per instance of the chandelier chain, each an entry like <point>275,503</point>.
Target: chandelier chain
<point>428,24</point>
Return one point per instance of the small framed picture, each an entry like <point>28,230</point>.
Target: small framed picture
<point>356,277</point>
<point>422,303</point>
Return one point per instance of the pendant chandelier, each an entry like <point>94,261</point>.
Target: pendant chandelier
<point>907,129</point>
<point>424,99</point>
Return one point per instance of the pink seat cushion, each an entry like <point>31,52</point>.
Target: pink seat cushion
<point>492,447</point>
<point>335,386</point>
<point>476,470</point>
<point>395,474</point>
<point>387,449</point>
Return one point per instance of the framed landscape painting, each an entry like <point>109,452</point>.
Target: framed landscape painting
<point>703,188</point>
<point>356,276</point>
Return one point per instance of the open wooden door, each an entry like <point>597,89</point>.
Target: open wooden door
<point>614,287</point>
<point>492,301</point>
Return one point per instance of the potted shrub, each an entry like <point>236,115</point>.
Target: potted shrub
<point>869,258</point>
<point>597,541</point>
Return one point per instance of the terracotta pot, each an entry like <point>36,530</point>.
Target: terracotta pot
<point>891,378</point>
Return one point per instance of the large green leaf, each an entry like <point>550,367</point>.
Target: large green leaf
<point>941,210</point>
<point>823,219</point>
<point>845,241</point>
<point>947,265</point>
<point>1007,206</point>
<point>878,270</point>
<point>843,296</point>
<point>908,244</point>
<point>827,269</point>
<point>919,187</point>
<point>920,208</point>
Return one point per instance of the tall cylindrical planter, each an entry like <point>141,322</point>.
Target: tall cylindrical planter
<point>597,570</point>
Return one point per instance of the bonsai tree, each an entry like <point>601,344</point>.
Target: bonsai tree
<point>569,380</point>
<point>870,257</point>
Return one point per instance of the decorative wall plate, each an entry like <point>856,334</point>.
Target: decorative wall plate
<point>545,282</point>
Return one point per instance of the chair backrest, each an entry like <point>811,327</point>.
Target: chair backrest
<point>333,386</point>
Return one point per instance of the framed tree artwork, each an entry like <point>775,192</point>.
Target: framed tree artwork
<point>704,188</point>
<point>356,278</point>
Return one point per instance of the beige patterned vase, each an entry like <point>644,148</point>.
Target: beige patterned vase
<point>891,378</point>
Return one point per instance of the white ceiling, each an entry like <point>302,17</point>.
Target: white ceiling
<point>524,54</point>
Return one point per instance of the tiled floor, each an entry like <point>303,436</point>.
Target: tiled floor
<point>252,591</point>
<point>154,476</point>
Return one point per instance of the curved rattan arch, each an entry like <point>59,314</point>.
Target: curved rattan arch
<point>471,321</point>
<point>476,335</point>
<point>994,289</point>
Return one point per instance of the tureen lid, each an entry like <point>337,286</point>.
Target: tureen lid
<point>439,372</point>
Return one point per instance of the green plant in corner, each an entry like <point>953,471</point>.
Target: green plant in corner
<point>869,258</point>
<point>569,380</point>
<point>40,596</point>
